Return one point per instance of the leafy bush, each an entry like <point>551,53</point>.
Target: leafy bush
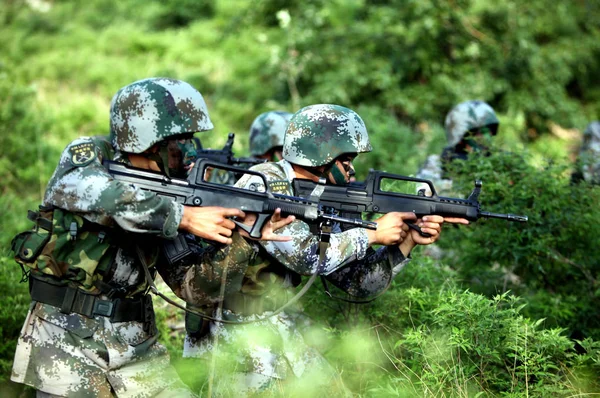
<point>463,343</point>
<point>402,65</point>
<point>426,336</point>
<point>419,58</point>
<point>550,261</point>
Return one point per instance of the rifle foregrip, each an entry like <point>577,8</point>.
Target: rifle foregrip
<point>291,209</point>
<point>471,213</point>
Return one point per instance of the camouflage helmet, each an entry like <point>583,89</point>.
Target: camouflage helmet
<point>267,131</point>
<point>317,134</point>
<point>468,116</point>
<point>151,110</point>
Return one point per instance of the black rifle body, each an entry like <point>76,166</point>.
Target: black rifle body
<point>360,197</point>
<point>225,155</point>
<point>195,191</point>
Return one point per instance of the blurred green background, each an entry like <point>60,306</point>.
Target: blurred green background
<point>402,65</point>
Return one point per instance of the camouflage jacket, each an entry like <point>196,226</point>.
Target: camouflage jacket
<point>69,354</point>
<point>588,167</point>
<point>271,268</point>
<point>83,187</point>
<point>348,262</point>
<point>432,170</point>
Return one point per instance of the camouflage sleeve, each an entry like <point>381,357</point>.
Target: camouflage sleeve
<point>432,171</point>
<point>82,185</point>
<point>301,254</point>
<point>197,278</point>
<point>369,276</point>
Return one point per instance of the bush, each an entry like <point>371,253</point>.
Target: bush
<point>461,343</point>
<point>426,336</point>
<point>550,260</point>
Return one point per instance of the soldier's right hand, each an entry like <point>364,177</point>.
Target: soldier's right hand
<point>210,222</point>
<point>391,229</point>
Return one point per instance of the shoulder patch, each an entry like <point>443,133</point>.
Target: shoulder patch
<point>280,186</point>
<point>82,154</point>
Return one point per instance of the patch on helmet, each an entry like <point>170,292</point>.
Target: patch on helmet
<point>82,154</point>
<point>279,186</point>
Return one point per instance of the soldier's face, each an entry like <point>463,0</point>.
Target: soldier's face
<point>342,171</point>
<point>479,139</point>
<point>274,155</point>
<point>182,154</point>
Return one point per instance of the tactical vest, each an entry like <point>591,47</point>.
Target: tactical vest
<point>64,245</point>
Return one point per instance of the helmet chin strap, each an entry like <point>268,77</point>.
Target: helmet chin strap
<point>161,158</point>
<point>330,172</point>
<point>336,174</point>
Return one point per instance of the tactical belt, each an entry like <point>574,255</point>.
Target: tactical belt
<point>70,299</point>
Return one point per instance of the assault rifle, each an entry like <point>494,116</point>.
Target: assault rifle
<point>225,155</point>
<point>196,191</point>
<point>383,192</point>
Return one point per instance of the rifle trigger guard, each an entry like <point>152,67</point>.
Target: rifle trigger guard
<point>255,231</point>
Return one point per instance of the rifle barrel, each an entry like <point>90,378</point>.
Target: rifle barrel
<point>509,217</point>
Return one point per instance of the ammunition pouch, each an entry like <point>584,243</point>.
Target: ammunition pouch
<point>64,245</point>
<point>196,326</point>
<point>176,250</point>
<point>28,245</point>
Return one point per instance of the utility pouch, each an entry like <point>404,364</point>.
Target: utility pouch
<point>64,245</point>
<point>28,245</point>
<point>195,325</point>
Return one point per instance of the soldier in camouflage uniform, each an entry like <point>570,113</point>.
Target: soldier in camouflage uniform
<point>464,125</point>
<point>266,135</point>
<point>266,142</point>
<point>321,141</point>
<point>588,168</point>
<point>90,330</point>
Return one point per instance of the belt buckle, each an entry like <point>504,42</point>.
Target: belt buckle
<point>103,308</point>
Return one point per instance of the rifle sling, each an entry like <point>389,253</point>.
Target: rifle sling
<point>152,288</point>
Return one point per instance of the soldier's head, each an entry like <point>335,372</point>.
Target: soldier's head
<point>324,140</point>
<point>266,135</point>
<point>468,122</point>
<point>589,154</point>
<point>157,118</point>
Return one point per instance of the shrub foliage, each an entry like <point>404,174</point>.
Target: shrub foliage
<point>511,310</point>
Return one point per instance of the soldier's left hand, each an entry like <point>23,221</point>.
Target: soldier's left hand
<point>432,225</point>
<point>268,230</point>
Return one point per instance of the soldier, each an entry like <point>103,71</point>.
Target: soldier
<point>321,141</point>
<point>465,125</point>
<point>588,167</point>
<point>266,135</point>
<point>90,329</point>
<point>266,142</point>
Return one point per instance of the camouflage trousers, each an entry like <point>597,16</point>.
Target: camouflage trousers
<point>69,355</point>
<point>267,358</point>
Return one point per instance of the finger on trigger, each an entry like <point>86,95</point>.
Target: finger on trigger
<point>224,231</point>
<point>229,212</point>
<point>228,224</point>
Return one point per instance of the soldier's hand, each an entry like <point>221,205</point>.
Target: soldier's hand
<point>210,222</point>
<point>432,225</point>
<point>391,229</point>
<point>268,230</point>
